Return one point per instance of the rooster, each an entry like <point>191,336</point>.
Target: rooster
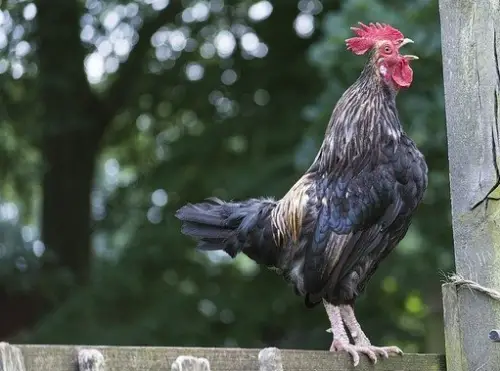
<point>349,210</point>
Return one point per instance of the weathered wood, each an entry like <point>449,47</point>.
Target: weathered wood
<point>90,360</point>
<point>470,32</point>
<point>453,346</point>
<point>189,363</point>
<point>63,358</point>
<point>270,360</point>
<point>11,358</point>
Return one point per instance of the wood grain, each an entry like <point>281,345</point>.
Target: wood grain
<point>470,32</point>
<point>452,328</point>
<point>11,358</point>
<point>64,358</point>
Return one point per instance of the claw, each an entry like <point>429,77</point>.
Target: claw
<point>342,319</point>
<point>339,346</point>
<point>393,350</point>
<point>370,351</point>
<point>383,353</point>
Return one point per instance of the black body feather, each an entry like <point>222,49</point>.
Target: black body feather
<point>329,233</point>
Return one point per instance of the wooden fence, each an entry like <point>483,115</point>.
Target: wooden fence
<point>81,358</point>
<point>470,33</point>
<point>471,65</point>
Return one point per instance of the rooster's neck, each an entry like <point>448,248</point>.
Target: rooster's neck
<point>364,118</point>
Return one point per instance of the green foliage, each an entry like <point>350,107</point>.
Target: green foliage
<point>190,123</point>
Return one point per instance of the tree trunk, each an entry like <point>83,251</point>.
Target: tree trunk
<point>71,133</point>
<point>73,123</point>
<point>67,185</point>
<point>72,126</point>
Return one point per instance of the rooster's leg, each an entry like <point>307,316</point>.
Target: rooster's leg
<point>340,339</point>
<point>361,341</point>
<point>337,326</point>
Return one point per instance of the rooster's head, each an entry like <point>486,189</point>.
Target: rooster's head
<point>385,41</point>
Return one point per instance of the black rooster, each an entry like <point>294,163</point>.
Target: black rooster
<point>328,234</point>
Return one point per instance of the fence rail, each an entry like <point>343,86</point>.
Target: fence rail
<point>101,358</point>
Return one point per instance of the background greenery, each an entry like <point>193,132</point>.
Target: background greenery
<point>115,113</point>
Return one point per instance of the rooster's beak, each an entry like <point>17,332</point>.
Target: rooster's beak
<point>406,41</point>
<point>410,57</point>
<point>403,43</point>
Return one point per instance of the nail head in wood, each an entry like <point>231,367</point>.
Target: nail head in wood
<point>90,360</point>
<point>189,363</point>
<point>270,360</point>
<point>11,358</point>
<point>494,336</point>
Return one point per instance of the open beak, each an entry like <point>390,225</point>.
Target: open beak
<point>408,57</point>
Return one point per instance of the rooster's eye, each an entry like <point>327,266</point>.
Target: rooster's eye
<point>387,49</point>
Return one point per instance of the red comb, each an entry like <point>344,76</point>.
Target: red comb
<point>369,35</point>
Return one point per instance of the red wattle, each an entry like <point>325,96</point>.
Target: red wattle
<point>402,74</point>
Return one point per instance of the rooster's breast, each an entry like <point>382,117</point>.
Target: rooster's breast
<point>362,216</point>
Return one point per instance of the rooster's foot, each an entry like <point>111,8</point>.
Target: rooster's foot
<point>372,352</point>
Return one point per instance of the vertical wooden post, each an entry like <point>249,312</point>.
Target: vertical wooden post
<point>11,358</point>
<point>471,52</point>
<point>90,360</point>
<point>270,360</point>
<point>190,363</point>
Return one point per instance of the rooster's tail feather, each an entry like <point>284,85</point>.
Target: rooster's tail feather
<point>231,226</point>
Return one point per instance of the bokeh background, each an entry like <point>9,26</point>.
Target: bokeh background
<point>115,113</point>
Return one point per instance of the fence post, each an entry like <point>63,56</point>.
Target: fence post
<point>270,359</point>
<point>470,31</point>
<point>90,360</point>
<point>11,358</point>
<point>189,363</point>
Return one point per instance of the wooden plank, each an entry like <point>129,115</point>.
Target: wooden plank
<point>452,328</point>
<point>63,358</point>
<point>11,358</point>
<point>470,32</point>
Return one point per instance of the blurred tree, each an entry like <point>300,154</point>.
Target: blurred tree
<point>145,105</point>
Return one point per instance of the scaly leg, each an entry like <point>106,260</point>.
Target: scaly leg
<point>341,340</point>
<point>361,341</point>
<point>337,326</point>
